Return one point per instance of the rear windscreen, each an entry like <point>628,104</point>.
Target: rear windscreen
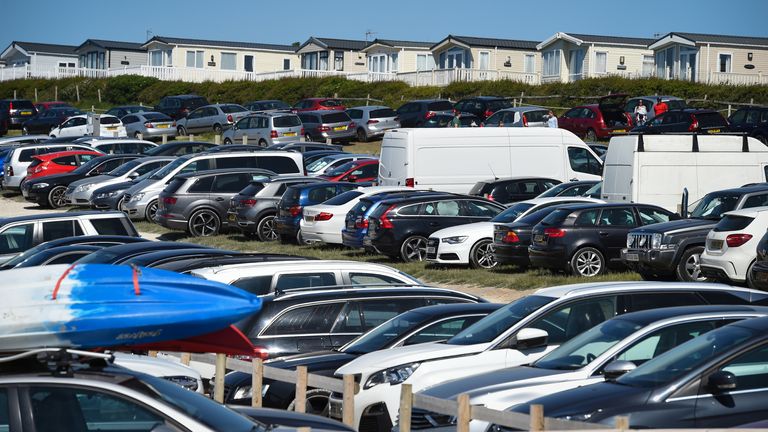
<point>733,223</point>
<point>480,188</point>
<point>228,109</point>
<point>499,104</point>
<point>710,119</point>
<point>287,121</point>
<point>343,198</point>
<point>109,120</point>
<point>336,117</point>
<point>174,185</point>
<point>157,117</point>
<point>361,207</point>
<point>556,217</point>
<point>676,104</point>
<point>252,189</point>
<point>22,104</point>
<point>384,112</point>
<point>291,195</point>
<point>440,106</point>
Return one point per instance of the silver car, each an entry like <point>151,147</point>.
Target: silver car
<point>530,116</point>
<point>327,163</point>
<point>323,124</point>
<point>372,121</point>
<point>149,125</point>
<point>266,129</point>
<point>216,118</point>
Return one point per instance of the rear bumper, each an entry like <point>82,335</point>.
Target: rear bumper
<point>555,257</point>
<point>511,254</point>
<point>721,268</point>
<point>287,227</point>
<point>171,221</point>
<point>353,240</point>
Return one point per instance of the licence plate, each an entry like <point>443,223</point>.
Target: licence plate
<point>538,238</point>
<point>231,217</point>
<point>111,128</point>
<point>340,128</point>
<point>162,126</point>
<point>716,244</point>
<point>26,113</point>
<point>619,131</point>
<point>289,133</point>
<point>498,237</point>
<point>430,250</point>
<point>309,218</point>
<point>633,257</point>
<point>713,131</point>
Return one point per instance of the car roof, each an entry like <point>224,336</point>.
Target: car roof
<point>425,197</point>
<point>319,184</point>
<point>747,212</point>
<point>522,109</point>
<point>53,155</point>
<point>762,187</point>
<point>369,107</point>
<point>505,179</point>
<point>304,265</point>
<point>35,217</point>
<point>587,288</point>
<point>348,155</point>
<point>312,294</point>
<point>326,111</point>
<point>208,173</point>
<point>449,309</point>
<point>484,98</point>
<point>754,323</point>
<point>579,206</point>
<point>184,96</point>
<point>429,100</point>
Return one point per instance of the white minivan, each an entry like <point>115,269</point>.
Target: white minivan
<point>454,159</point>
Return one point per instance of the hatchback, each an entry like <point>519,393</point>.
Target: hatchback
<point>78,125</point>
<point>214,118</point>
<point>263,106</point>
<point>99,240</point>
<point>513,189</point>
<point>358,171</point>
<point>330,162</point>
<point>531,116</point>
<point>266,129</point>
<point>14,112</point>
<point>318,104</point>
<point>416,113</point>
<point>149,125</point>
<point>47,120</point>
<point>177,107</point>
<point>372,121</point>
<point>291,205</point>
<point>122,111</point>
<point>752,121</point>
<point>482,106</point>
<point>58,163</point>
<point>19,158</point>
<point>598,121</point>
<point>687,120</point>
<point>324,125</point>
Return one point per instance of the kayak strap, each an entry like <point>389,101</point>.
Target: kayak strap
<point>136,274</point>
<point>61,279</point>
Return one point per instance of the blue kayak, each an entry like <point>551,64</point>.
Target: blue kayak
<point>98,306</point>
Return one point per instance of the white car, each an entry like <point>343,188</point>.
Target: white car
<point>518,333</point>
<point>79,126</point>
<point>731,245</point>
<point>172,371</point>
<point>327,163</point>
<point>472,244</point>
<point>324,222</point>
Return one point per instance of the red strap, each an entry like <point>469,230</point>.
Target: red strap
<point>61,279</point>
<point>136,273</point>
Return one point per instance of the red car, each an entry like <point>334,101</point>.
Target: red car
<point>358,171</point>
<point>58,163</point>
<point>598,121</point>
<point>314,104</point>
<point>42,106</point>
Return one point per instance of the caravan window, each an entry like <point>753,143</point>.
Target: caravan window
<point>581,160</point>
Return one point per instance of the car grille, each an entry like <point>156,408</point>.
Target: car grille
<point>422,419</point>
<point>639,241</point>
<point>432,245</point>
<point>70,190</point>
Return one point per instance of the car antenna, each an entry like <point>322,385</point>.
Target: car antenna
<point>494,174</point>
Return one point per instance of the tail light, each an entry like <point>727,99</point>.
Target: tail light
<point>736,240</point>
<point>361,222</point>
<point>10,171</point>
<point>629,119</point>
<point>372,121</point>
<point>295,210</point>
<point>488,196</point>
<point>554,232</point>
<point>384,221</point>
<point>324,129</point>
<point>694,124</point>
<point>429,114</point>
<point>10,106</point>
<point>525,120</point>
<point>273,134</point>
<point>510,237</point>
<point>248,203</point>
<point>409,182</point>
<point>352,125</point>
<point>488,113</point>
<point>230,119</point>
<point>302,132</point>
<point>169,200</point>
<point>148,125</point>
<point>323,216</point>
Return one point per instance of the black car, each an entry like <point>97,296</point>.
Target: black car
<point>121,253</point>
<point>49,191</point>
<point>95,240</point>
<point>759,271</point>
<point>14,112</point>
<point>46,120</point>
<point>444,120</point>
<point>124,110</point>
<point>179,148</point>
<point>751,120</point>
<point>160,257</point>
<point>514,189</point>
<point>187,264</point>
<point>58,255</point>
<point>717,380</point>
<point>267,106</point>
<point>421,325</point>
<point>416,113</point>
<point>511,240</point>
<point>111,197</point>
<point>569,189</point>
<point>399,228</point>
<point>685,120</point>
<point>482,106</point>
<point>177,107</point>
<point>585,239</point>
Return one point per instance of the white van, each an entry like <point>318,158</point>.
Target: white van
<point>454,159</point>
<point>654,169</point>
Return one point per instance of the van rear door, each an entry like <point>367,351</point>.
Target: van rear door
<point>393,163</point>
<point>618,170</point>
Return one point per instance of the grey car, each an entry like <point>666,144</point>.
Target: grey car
<point>198,202</point>
<point>216,118</point>
<point>530,116</point>
<point>254,208</point>
<point>149,125</point>
<point>266,129</point>
<point>372,121</point>
<point>323,124</point>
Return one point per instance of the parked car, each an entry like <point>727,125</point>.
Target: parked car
<point>373,120</point>
<point>14,112</point>
<point>313,155</point>
<point>77,126</point>
<point>58,163</point>
<point>267,106</point>
<point>530,116</point>
<point>197,202</point>
<point>304,147</point>
<point>149,125</point>
<point>99,240</point>
<point>187,265</point>
<point>124,110</point>
<point>332,161</point>
<point>686,120</point>
<point>291,205</point>
<point>118,254</point>
<point>724,368</point>
<point>512,239</point>
<point>322,125</point>
<point>420,325</point>
<point>759,271</point>
<point>43,106</point>
<point>586,239</point>
<point>266,129</point>
<point>120,145</point>
<point>673,103</point>
<point>162,257</point>
<point>752,120</point>
<point>358,171</point>
<point>399,228</point>
<point>18,159</point>
<point>318,104</point>
<point>180,148</point>
<point>47,120</point>
<point>482,106</point>
<point>18,234</point>
<point>416,113</point>
<point>13,141</point>
<point>58,255</point>
<point>518,333</point>
<point>177,107</point>
<point>731,246</point>
<point>445,120</point>
<point>571,188</point>
<point>598,121</point>
<point>512,189</point>
<point>50,191</point>
<point>216,118</point>
<point>111,197</point>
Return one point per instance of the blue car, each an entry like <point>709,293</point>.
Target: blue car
<point>295,198</point>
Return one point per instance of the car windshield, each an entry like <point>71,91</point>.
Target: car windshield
<point>320,164</point>
<point>490,327</point>
<point>145,175</point>
<point>513,212</point>
<point>379,337</point>
<point>594,191</point>
<point>581,350</point>
<point>124,168</point>
<point>341,169</point>
<point>713,205</point>
<point>157,117</point>
<point>164,171</point>
<point>91,164</point>
<point>555,190</point>
<point>679,361</point>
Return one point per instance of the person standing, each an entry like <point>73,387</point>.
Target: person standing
<point>552,120</point>
<point>660,107</point>
<point>456,120</point>
<point>641,113</point>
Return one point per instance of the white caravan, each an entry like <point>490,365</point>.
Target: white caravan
<point>454,159</point>
<point>654,169</point>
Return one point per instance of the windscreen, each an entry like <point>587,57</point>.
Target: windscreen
<point>378,338</point>
<point>343,198</point>
<point>713,205</point>
<point>124,168</point>
<point>287,121</point>
<point>513,212</point>
<point>495,324</point>
<point>335,117</point>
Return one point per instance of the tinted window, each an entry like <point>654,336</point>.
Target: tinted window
<point>258,285</point>
<point>618,217</point>
<point>58,229</point>
<point>355,113</point>
<point>367,314</point>
<point>441,208</point>
<point>343,198</point>
<point>278,164</point>
<point>756,201</point>
<point>439,106</point>
<point>644,301</point>
<point>581,160</point>
<point>305,320</point>
<point>710,119</point>
<point>732,223</point>
<point>495,324</point>
<point>287,121</point>
<point>304,280</point>
<point>109,226</point>
<point>66,160</point>
<point>411,210</point>
<point>335,117</point>
<point>236,162</point>
<point>228,109</point>
<point>738,116</point>
<point>202,185</point>
<point>750,369</point>
<point>109,120</point>
<point>558,216</point>
<point>441,330</point>
<point>174,185</point>
<point>479,209</point>
<point>575,318</point>
<point>17,238</point>
<point>252,189</point>
<point>321,194</point>
<point>649,215</point>
<point>513,212</point>
<point>384,112</point>
<point>230,183</point>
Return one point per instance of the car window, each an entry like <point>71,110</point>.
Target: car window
<point>304,280</point>
<point>198,165</point>
<point>443,208</point>
<point>565,322</point>
<point>58,229</point>
<point>411,210</point>
<point>479,209</point>
<point>441,330</point>
<point>494,119</point>
<point>367,171</point>
<point>662,340</point>
<point>645,301</point>
<point>110,226</point>
<point>5,419</point>
<point>363,315</point>
<point>305,320</point>
<point>17,238</point>
<point>66,160</point>
<point>202,185</point>
<point>756,201</point>
<point>355,113</point>
<point>321,194</point>
<point>278,164</point>
<point>373,279</point>
<point>649,215</point>
<point>618,217</point>
<point>750,369</point>
<point>581,160</point>
<point>286,121</point>
<point>230,183</point>
<point>573,113</point>
<point>587,218</point>
<point>258,285</point>
<point>753,116</point>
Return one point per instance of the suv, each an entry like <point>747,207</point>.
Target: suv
<point>198,202</point>
<point>214,118</point>
<point>531,116</point>
<point>672,250</point>
<point>324,125</point>
<point>318,104</point>
<point>266,129</point>
<point>482,106</point>
<point>17,234</point>
<point>753,121</point>
<point>598,121</point>
<point>513,189</point>
<point>372,121</point>
<point>416,113</point>
<point>296,197</point>
<point>686,120</point>
<point>177,107</point>
<point>14,112</point>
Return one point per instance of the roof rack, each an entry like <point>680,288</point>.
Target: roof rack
<point>58,360</point>
<point>326,288</point>
<point>695,139</point>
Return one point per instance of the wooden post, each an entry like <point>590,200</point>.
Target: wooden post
<point>348,401</point>
<point>537,417</point>
<point>35,94</point>
<point>729,110</point>
<point>221,370</point>
<point>367,99</point>
<point>77,92</point>
<point>186,358</point>
<point>300,402</point>
<point>245,139</point>
<point>140,136</point>
<point>165,138</point>
<point>217,139</point>
<point>153,353</point>
<point>463,416</point>
<point>406,407</point>
<point>56,93</point>
<point>257,382</point>
<point>622,423</point>
<point>14,94</point>
<point>328,141</point>
<point>98,91</point>
<point>191,137</point>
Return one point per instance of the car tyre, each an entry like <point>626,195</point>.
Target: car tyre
<point>266,230</point>
<point>587,262</point>
<point>120,203</point>
<point>590,136</point>
<point>414,248</point>
<point>688,268</point>
<point>151,211</point>
<point>217,129</point>
<point>181,131</point>
<point>56,197</point>
<point>481,255</point>
<point>262,143</point>
<point>361,135</point>
<point>204,223</point>
<point>308,137</point>
<point>750,281</point>
<point>227,141</point>
<point>317,402</point>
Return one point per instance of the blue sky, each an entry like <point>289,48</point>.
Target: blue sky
<point>284,22</point>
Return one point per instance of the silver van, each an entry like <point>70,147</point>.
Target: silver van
<point>266,129</point>
<point>18,160</point>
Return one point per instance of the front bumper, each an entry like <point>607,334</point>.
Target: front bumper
<point>35,196</point>
<point>106,203</point>
<point>135,209</point>
<point>375,408</point>
<point>655,261</point>
<point>554,257</point>
<point>446,253</point>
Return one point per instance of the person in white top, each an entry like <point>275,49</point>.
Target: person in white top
<point>641,113</point>
<point>552,120</point>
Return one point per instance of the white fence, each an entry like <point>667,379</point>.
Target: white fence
<point>738,79</point>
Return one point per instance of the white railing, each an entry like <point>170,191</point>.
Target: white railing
<point>738,78</point>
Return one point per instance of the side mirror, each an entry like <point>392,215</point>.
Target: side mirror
<point>352,178</point>
<point>722,381</point>
<point>617,368</point>
<point>528,338</point>
<point>133,175</point>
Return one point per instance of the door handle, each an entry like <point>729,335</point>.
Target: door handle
<point>603,234</point>
<point>219,199</point>
<point>433,224</point>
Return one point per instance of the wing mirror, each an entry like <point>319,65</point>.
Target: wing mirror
<point>722,381</point>
<point>528,338</point>
<point>617,368</point>
<point>133,175</point>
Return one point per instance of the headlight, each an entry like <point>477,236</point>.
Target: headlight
<point>454,240</point>
<point>630,240</point>
<point>106,194</point>
<point>40,185</point>
<point>394,375</point>
<point>246,392</point>
<point>656,241</point>
<point>577,417</point>
<point>187,382</point>
<point>138,196</point>
<point>84,187</point>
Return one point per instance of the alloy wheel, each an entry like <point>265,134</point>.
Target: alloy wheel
<point>484,255</point>
<point>414,249</point>
<point>693,268</point>
<point>204,224</point>
<point>589,263</point>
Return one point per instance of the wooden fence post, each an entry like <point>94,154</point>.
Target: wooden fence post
<point>406,407</point>
<point>245,139</point>
<point>348,401</point>
<point>56,93</point>
<point>191,137</point>
<point>14,94</point>
<point>257,382</point>
<point>153,353</point>
<point>35,94</point>
<point>537,417</point>
<point>221,370</point>
<point>300,402</point>
<point>622,423</point>
<point>77,92</point>
<point>165,138</point>
<point>463,416</point>
<point>186,358</point>
<point>217,139</point>
<point>98,91</point>
<point>328,141</point>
